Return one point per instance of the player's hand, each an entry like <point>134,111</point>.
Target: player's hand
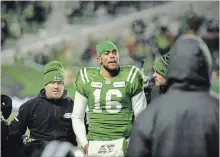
<point>86,147</point>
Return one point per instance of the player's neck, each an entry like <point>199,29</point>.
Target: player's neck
<point>107,74</point>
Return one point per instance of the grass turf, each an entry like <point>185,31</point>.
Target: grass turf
<point>32,80</point>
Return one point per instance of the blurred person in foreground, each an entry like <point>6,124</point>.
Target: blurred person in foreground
<point>160,76</point>
<point>6,145</point>
<point>47,116</point>
<point>185,120</point>
<point>113,94</point>
<point>58,149</point>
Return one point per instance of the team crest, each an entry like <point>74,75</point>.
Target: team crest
<point>57,78</point>
<point>107,148</point>
<point>67,115</point>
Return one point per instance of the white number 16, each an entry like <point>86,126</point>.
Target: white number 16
<point>109,102</point>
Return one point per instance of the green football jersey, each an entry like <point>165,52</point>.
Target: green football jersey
<point>109,101</point>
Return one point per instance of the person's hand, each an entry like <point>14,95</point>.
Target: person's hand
<point>86,147</point>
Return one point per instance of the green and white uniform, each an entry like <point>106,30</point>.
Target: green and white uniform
<point>110,103</point>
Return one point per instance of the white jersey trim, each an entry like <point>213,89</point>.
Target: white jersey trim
<point>86,76</point>
<point>136,70</point>
<point>130,73</point>
<point>82,77</point>
<point>139,103</point>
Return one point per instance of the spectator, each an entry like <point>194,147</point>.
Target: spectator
<point>162,36</point>
<point>184,121</point>
<point>69,83</point>
<point>48,116</point>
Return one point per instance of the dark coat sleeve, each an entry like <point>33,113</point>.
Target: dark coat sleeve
<point>141,135</point>
<point>18,126</point>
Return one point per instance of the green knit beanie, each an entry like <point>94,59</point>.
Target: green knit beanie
<point>54,71</point>
<point>104,46</point>
<point>161,65</point>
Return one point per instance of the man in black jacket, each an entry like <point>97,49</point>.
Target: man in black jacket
<point>183,122</point>
<point>48,116</point>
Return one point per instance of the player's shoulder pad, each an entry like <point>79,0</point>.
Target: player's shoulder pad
<point>132,73</point>
<point>86,73</point>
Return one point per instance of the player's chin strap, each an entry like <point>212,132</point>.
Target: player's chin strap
<point>61,149</point>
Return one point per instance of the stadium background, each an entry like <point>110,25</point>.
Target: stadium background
<point>34,33</point>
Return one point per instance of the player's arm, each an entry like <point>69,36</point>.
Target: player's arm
<point>139,101</point>
<point>79,109</point>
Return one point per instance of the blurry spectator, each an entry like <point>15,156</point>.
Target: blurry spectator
<point>140,50</point>
<point>4,30</point>
<point>212,34</point>
<point>193,24</point>
<point>22,16</point>
<point>69,83</point>
<point>162,36</point>
<point>89,51</point>
<point>138,27</point>
<point>185,120</point>
<point>211,38</point>
<point>47,116</point>
<point>131,45</point>
<point>41,58</point>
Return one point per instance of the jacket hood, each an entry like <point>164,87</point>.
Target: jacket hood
<point>43,95</point>
<point>190,64</point>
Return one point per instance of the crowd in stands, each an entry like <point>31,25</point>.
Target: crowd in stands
<point>24,17</point>
<point>141,45</point>
<point>20,17</point>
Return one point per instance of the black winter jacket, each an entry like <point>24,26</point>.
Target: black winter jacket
<point>183,122</point>
<point>46,119</point>
<point>156,91</point>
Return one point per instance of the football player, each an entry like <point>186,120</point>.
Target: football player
<point>112,93</point>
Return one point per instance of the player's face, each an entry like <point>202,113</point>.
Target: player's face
<point>109,60</point>
<point>159,79</point>
<point>54,90</point>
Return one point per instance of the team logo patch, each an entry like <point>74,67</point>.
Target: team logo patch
<point>119,84</point>
<point>57,78</point>
<point>96,84</point>
<point>106,148</point>
<point>67,115</point>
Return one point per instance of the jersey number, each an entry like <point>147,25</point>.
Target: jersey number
<point>109,103</point>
